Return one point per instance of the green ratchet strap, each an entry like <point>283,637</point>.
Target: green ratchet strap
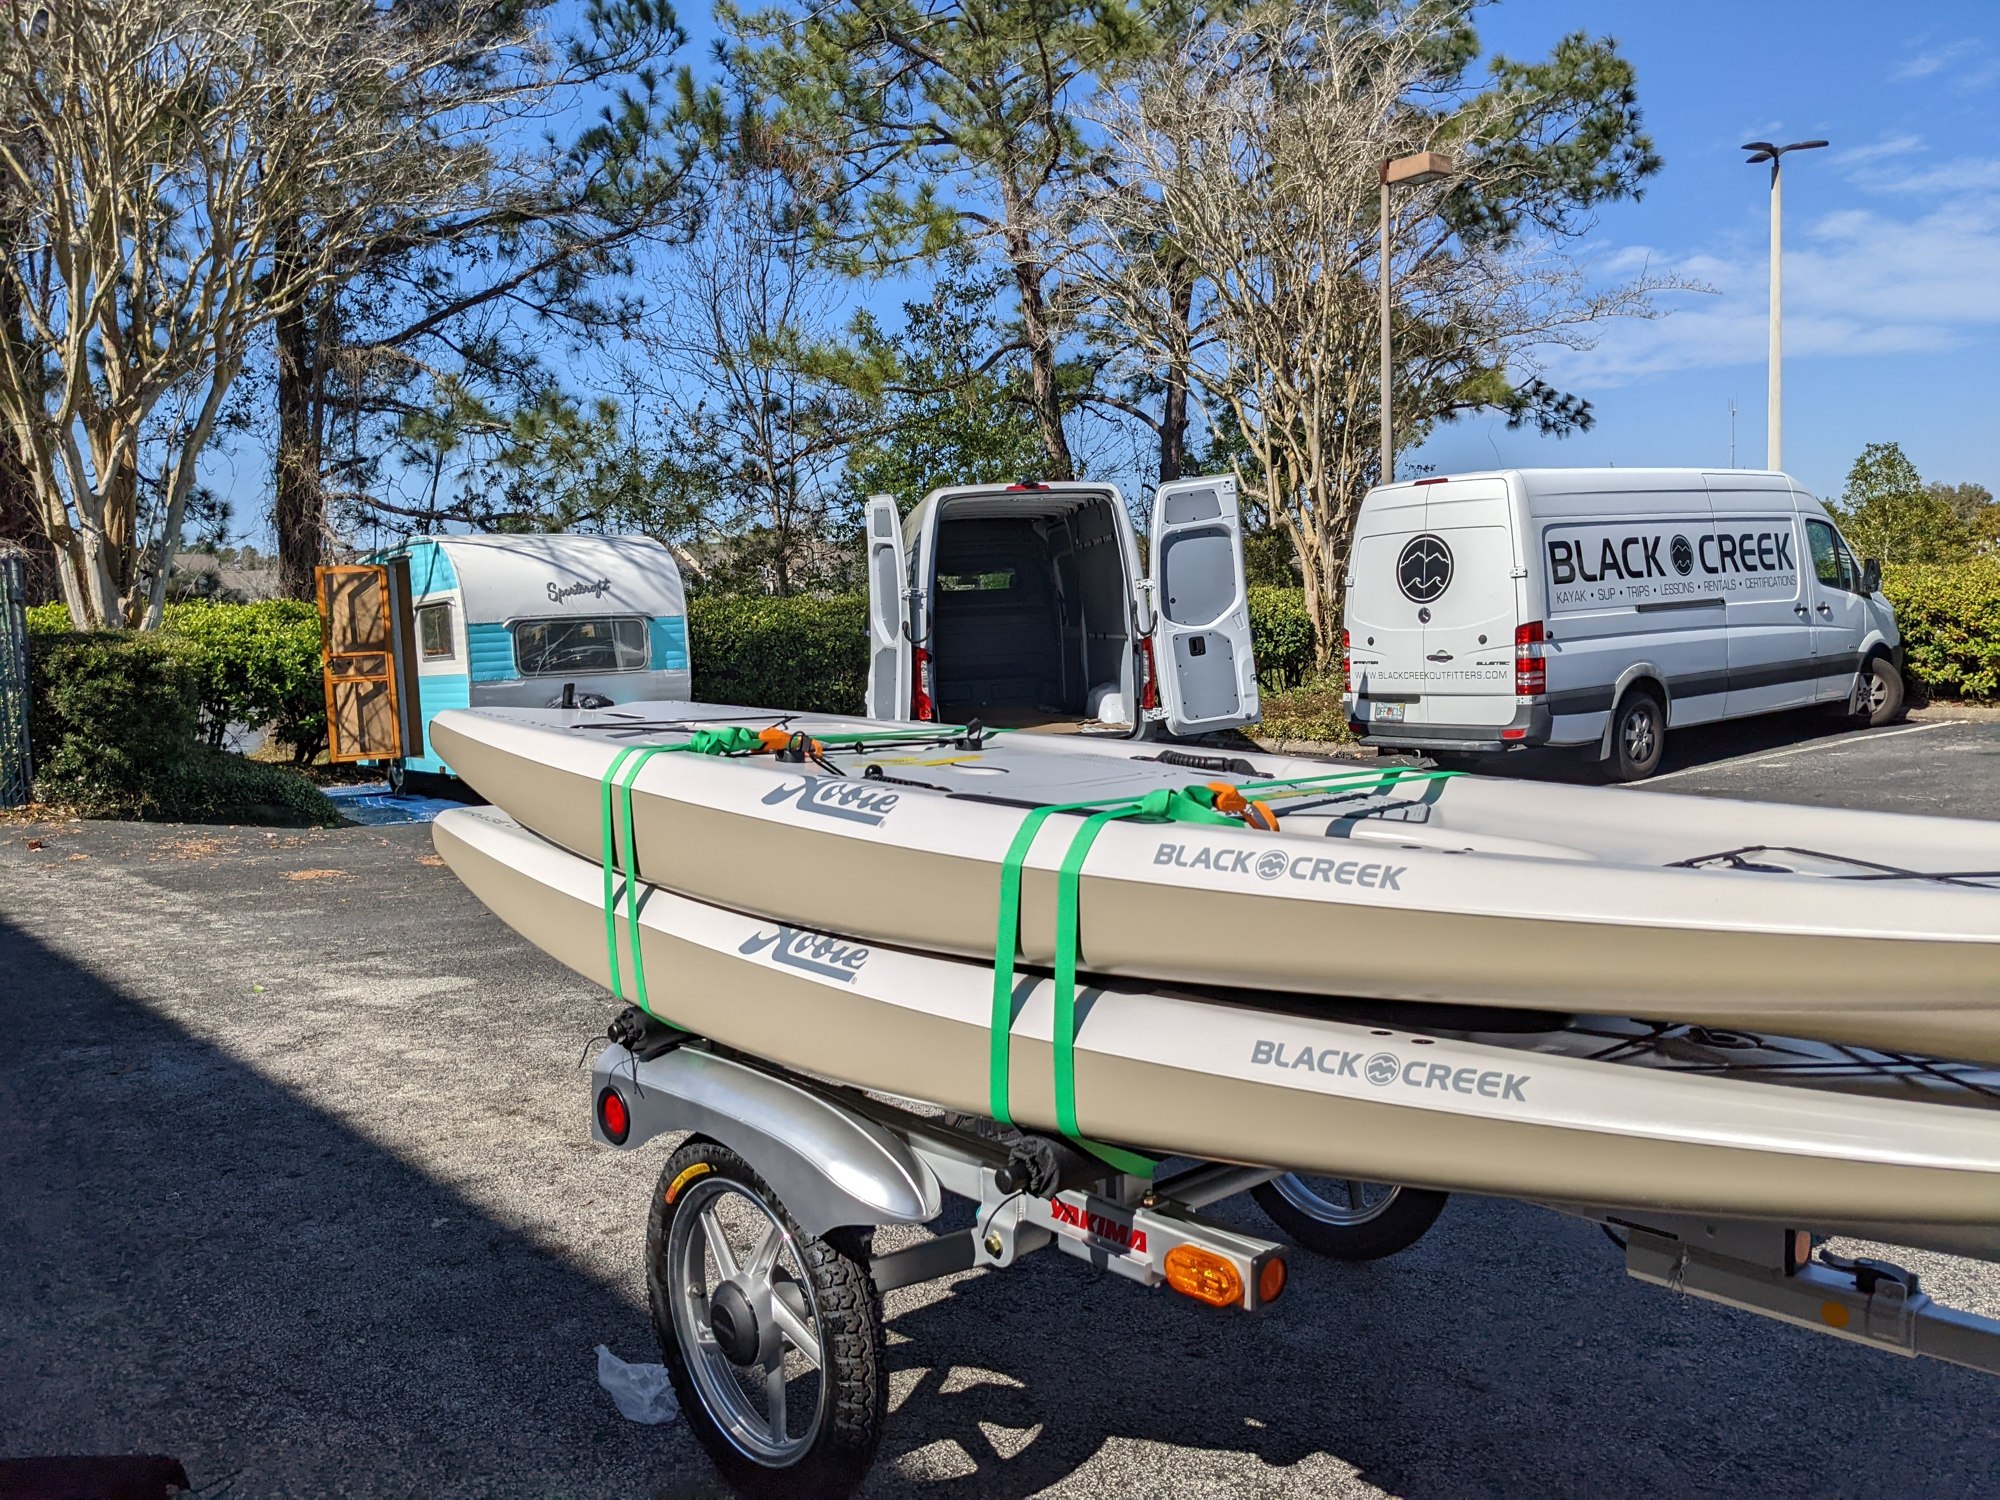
<point>615,800</point>
<point>1188,805</point>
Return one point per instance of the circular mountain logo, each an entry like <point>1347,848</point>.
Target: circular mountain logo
<point>1270,865</point>
<point>1423,570</point>
<point>1683,555</point>
<point>1383,1069</point>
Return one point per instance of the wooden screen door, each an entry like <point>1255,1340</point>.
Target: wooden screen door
<point>358,634</point>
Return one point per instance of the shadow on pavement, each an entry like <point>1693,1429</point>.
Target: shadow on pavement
<point>193,1261</point>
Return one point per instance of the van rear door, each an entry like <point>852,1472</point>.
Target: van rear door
<point>1432,605</point>
<point>1207,671</point>
<point>888,637</point>
<point>1469,635</point>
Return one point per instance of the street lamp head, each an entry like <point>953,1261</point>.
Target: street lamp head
<point>1761,151</point>
<point>1411,171</point>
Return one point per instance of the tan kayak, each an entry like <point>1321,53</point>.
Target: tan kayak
<point>1848,927</point>
<point>1609,1112</point>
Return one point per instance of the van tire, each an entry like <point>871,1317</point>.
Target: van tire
<point>1638,735</point>
<point>1882,697</point>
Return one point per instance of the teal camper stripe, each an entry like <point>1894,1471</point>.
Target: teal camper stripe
<point>440,692</point>
<point>669,635</point>
<point>490,652</point>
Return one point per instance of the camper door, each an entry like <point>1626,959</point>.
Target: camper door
<point>888,637</point>
<point>1201,632</point>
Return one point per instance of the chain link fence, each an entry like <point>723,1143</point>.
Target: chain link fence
<point>16,769</point>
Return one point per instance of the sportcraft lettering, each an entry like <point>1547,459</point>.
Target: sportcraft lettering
<point>1097,1226</point>
<point>1271,864</point>
<point>562,593</point>
<point>825,797</point>
<point>813,952</point>
<point>1387,1070</point>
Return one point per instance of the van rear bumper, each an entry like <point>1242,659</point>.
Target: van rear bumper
<point>1532,724</point>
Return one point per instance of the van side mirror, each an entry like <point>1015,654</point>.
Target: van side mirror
<point>1871,576</point>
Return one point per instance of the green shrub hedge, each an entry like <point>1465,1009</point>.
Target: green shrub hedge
<point>115,722</point>
<point>801,652</point>
<point>1950,618</point>
<point>256,664</point>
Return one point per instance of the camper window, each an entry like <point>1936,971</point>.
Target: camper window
<point>434,630</point>
<point>547,647</point>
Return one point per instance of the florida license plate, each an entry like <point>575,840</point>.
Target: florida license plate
<point>1386,713</point>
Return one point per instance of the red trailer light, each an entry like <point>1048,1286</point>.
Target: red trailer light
<point>1531,668</point>
<point>614,1118</point>
<point>921,706</point>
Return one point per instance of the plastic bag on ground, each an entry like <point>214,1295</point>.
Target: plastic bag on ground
<point>641,1392</point>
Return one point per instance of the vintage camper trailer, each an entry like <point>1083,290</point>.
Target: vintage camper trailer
<point>524,619</point>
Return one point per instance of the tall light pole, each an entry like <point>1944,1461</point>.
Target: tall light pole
<point>1403,171</point>
<point>1764,151</point>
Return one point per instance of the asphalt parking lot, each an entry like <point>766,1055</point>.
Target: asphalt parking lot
<point>296,1189</point>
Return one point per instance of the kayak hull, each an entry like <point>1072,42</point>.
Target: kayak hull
<point>1186,1075</point>
<point>1388,911</point>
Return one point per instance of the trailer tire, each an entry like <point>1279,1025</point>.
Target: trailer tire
<point>1386,1226</point>
<point>826,1289</point>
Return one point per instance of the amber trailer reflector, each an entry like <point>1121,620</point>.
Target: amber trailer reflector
<point>1204,1276</point>
<point>1270,1281</point>
<point>613,1118</point>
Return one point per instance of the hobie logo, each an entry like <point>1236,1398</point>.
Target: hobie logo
<point>852,801</point>
<point>813,952</point>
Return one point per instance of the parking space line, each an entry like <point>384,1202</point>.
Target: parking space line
<point>1845,739</point>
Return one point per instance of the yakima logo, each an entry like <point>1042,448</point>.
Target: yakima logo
<point>850,801</point>
<point>562,593</point>
<point>1387,1070</point>
<point>813,952</point>
<point>1097,1226</point>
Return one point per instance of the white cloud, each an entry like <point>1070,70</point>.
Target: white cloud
<point>1964,64</point>
<point>1897,279</point>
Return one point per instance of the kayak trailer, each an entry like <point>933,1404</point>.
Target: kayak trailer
<point>766,1293</point>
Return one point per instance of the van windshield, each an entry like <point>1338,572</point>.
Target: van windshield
<point>544,648</point>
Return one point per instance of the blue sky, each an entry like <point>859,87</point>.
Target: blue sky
<point>1892,236</point>
<point>1892,266</point>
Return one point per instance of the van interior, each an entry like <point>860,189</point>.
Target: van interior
<point>1031,623</point>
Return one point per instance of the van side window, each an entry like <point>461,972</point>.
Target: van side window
<point>1833,564</point>
<point>543,648</point>
<point>434,632</point>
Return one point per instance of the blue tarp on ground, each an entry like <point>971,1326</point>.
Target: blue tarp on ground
<point>372,802</point>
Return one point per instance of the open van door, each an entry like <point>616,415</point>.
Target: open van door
<point>888,639</point>
<point>1207,672</point>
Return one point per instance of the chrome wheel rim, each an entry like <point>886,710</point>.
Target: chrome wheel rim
<point>1343,1201</point>
<point>1639,734</point>
<point>1878,691</point>
<point>770,1407</point>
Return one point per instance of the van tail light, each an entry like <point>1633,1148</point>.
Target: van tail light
<point>921,706</point>
<point>1347,661</point>
<point>1531,668</point>
<point>1149,690</point>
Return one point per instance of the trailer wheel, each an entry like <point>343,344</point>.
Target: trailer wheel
<point>1346,1219</point>
<point>773,1339</point>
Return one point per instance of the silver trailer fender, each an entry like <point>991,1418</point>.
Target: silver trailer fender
<point>832,1168</point>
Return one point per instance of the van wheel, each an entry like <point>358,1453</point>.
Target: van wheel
<point>1881,694</point>
<point>1638,736</point>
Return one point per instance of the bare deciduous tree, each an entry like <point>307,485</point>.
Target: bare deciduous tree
<point>152,152</point>
<point>1238,239</point>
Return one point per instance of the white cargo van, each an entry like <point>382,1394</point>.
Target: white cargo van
<point>1024,605</point>
<point>1598,607</point>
